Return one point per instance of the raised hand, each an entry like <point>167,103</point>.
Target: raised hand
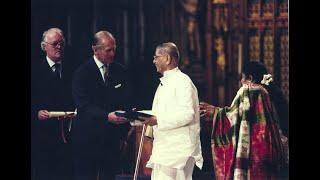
<point>206,111</point>
<point>151,121</point>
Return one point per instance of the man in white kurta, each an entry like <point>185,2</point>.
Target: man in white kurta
<point>176,125</point>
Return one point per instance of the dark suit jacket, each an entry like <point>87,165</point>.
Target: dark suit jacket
<point>47,92</point>
<point>94,100</point>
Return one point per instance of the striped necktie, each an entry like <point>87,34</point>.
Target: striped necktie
<point>105,73</point>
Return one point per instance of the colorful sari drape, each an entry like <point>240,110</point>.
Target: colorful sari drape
<point>246,139</point>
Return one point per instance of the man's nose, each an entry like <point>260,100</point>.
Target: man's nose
<point>112,53</point>
<point>59,46</point>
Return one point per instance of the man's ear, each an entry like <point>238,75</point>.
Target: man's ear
<point>168,59</point>
<point>43,46</point>
<point>93,48</point>
<point>250,77</point>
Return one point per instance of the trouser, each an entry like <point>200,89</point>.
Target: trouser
<point>52,164</point>
<point>95,161</point>
<point>160,172</point>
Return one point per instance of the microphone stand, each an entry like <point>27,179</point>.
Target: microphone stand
<point>139,154</point>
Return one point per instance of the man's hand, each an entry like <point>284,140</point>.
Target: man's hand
<point>116,119</point>
<point>151,121</point>
<point>43,115</point>
<point>206,111</point>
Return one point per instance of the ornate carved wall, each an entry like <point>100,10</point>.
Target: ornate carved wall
<point>268,38</point>
<point>245,30</point>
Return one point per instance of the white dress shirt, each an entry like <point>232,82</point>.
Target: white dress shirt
<point>100,65</point>
<point>177,134</point>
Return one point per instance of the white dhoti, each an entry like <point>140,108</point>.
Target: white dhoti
<point>160,172</point>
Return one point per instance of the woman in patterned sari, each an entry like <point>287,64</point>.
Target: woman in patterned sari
<point>246,139</point>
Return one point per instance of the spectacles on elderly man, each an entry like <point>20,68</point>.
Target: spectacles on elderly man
<point>56,44</point>
<point>156,57</point>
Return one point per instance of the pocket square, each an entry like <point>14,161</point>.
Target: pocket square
<point>117,86</point>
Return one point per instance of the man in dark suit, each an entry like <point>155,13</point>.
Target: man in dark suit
<point>51,91</point>
<point>100,86</point>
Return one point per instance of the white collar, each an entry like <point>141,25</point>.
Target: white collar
<point>98,62</point>
<point>167,74</point>
<point>51,63</point>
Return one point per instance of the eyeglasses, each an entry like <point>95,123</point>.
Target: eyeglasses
<point>156,57</point>
<point>56,44</point>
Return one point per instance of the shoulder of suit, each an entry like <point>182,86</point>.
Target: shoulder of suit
<point>40,62</point>
<point>119,66</point>
<point>85,66</point>
<point>39,65</point>
<point>89,63</point>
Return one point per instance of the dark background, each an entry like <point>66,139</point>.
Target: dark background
<point>140,25</point>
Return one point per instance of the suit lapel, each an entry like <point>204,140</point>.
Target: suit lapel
<point>46,70</point>
<point>95,71</point>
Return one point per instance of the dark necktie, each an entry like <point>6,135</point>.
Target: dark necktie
<point>106,74</point>
<point>57,70</point>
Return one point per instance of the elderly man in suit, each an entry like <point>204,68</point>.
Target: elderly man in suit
<point>176,125</point>
<point>100,87</point>
<point>51,91</point>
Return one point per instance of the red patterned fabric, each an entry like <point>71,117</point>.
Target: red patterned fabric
<point>246,139</point>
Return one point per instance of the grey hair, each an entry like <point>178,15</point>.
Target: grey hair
<point>171,49</point>
<point>45,33</point>
<point>98,35</point>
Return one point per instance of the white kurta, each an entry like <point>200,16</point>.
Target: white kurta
<point>177,134</point>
